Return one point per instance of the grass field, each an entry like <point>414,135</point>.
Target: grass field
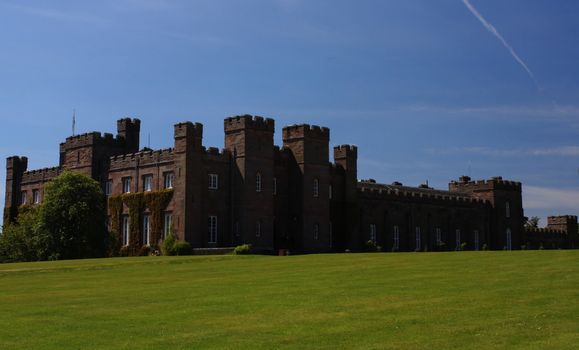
<point>470,300</point>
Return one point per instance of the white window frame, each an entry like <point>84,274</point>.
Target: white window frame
<point>168,180</point>
<point>373,232</point>
<point>438,233</point>
<point>418,238</point>
<point>476,239</point>
<point>109,187</point>
<point>147,183</point>
<point>213,181</point>
<point>125,230</point>
<point>457,238</point>
<point>212,222</point>
<point>126,184</point>
<point>258,182</point>
<point>167,223</point>
<point>146,229</point>
<point>35,196</point>
<point>23,197</point>
<point>396,237</point>
<point>509,237</point>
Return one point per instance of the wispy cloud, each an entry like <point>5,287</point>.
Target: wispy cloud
<point>498,35</point>
<point>549,198</point>
<point>563,151</point>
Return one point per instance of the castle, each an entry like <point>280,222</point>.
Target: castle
<point>279,198</point>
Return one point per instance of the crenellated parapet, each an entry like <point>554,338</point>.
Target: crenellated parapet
<point>91,139</point>
<point>244,122</point>
<point>140,159</point>
<point>464,184</point>
<point>40,175</point>
<point>306,131</point>
<point>216,154</point>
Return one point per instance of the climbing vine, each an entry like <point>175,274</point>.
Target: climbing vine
<point>137,203</point>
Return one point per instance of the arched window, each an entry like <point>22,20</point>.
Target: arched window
<point>508,239</point>
<point>258,182</point>
<point>508,209</point>
<point>316,231</point>
<point>373,232</point>
<point>316,189</point>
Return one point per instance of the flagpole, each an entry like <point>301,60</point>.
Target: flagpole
<point>73,120</point>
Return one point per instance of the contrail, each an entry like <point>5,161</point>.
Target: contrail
<point>498,35</point>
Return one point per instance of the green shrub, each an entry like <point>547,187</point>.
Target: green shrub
<point>124,251</point>
<point>168,245</point>
<point>371,246</point>
<point>463,246</point>
<point>145,250</point>
<point>182,248</point>
<point>242,249</point>
<point>485,247</point>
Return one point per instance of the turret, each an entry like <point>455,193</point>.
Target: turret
<point>15,168</point>
<point>129,129</point>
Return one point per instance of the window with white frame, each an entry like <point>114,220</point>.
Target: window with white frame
<point>330,192</point>
<point>476,240</point>
<point>109,188</point>
<point>212,222</point>
<point>168,180</point>
<point>316,189</point>
<point>167,224</point>
<point>508,239</point>
<point>373,232</point>
<point>258,228</point>
<point>146,229</point>
<point>126,185</point>
<point>258,182</point>
<point>316,232</point>
<point>396,237</point>
<point>35,196</point>
<point>438,233</point>
<point>23,198</point>
<point>457,238</point>
<point>213,181</point>
<point>125,229</point>
<point>418,238</point>
<point>275,186</point>
<point>147,183</point>
<point>508,209</point>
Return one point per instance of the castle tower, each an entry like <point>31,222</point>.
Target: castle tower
<point>250,141</point>
<point>568,224</point>
<point>15,168</point>
<point>505,198</point>
<point>309,182</point>
<point>130,130</point>
<point>345,218</point>
<point>188,181</point>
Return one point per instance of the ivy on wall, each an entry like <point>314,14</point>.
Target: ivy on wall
<point>137,203</point>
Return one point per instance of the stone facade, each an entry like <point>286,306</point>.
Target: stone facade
<point>289,197</point>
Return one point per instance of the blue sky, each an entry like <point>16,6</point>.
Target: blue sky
<point>424,89</point>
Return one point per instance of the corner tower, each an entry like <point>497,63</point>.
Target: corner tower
<point>15,168</point>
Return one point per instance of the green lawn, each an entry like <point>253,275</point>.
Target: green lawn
<point>471,300</point>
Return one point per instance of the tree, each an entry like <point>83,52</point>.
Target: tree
<point>532,222</point>
<point>21,241</point>
<point>73,216</point>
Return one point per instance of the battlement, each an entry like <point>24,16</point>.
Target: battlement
<point>405,194</point>
<point>562,218</point>
<point>345,151</point>
<point>90,139</point>
<point>142,158</point>
<point>494,183</point>
<point>124,124</point>
<point>243,122</point>
<point>188,129</point>
<point>16,161</point>
<point>40,175</point>
<point>301,131</point>
<point>544,230</point>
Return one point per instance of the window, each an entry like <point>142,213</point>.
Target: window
<point>23,197</point>
<point>35,196</point>
<point>457,232</point>
<point>373,233</point>
<point>109,188</point>
<point>316,232</point>
<point>508,209</point>
<point>146,229</point>
<point>258,182</point>
<point>168,180</point>
<point>212,229</point>
<point>316,189</point>
<point>168,224</point>
<point>258,229</point>
<point>125,230</point>
<point>508,239</point>
<point>396,237</point>
<point>476,240</point>
<point>274,186</point>
<point>213,181</point>
<point>418,238</point>
<point>237,231</point>
<point>438,233</point>
<point>126,185</point>
<point>147,183</point>
<point>330,192</point>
